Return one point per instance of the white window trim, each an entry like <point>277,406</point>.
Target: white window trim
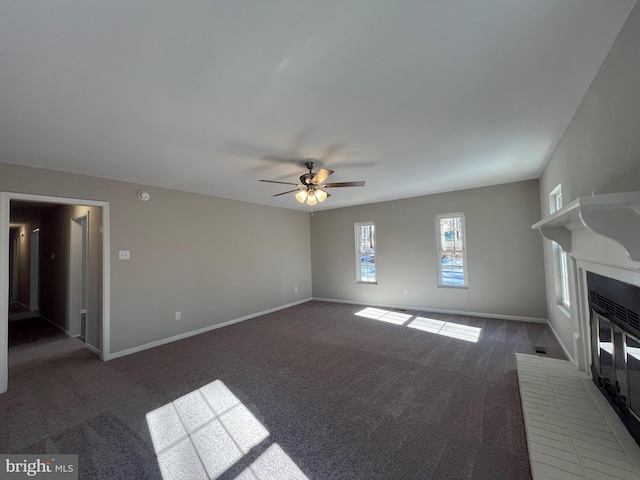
<point>565,296</point>
<point>356,229</point>
<point>555,199</point>
<point>560,257</point>
<point>439,250</point>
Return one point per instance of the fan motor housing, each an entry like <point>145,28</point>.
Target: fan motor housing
<point>306,178</point>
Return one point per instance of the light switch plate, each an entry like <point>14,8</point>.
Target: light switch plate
<point>124,254</point>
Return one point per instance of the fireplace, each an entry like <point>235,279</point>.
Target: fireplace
<point>615,346</point>
<point>601,335</point>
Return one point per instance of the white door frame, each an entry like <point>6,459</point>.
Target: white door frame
<point>5,198</point>
<point>14,260</point>
<point>75,299</point>
<point>34,270</point>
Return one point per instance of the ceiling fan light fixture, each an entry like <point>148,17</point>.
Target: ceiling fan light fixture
<point>310,190</point>
<point>321,195</point>
<point>301,196</point>
<point>311,199</point>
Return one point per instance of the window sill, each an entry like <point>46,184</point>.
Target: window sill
<point>458,287</point>
<point>564,310</point>
<point>367,283</point>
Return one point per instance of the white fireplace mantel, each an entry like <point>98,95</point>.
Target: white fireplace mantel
<point>601,234</point>
<point>613,215</point>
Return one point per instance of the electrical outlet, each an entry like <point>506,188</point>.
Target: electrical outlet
<point>124,254</point>
<point>178,315</point>
<point>295,290</point>
<point>405,292</point>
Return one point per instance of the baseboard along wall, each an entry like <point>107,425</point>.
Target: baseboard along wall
<point>157,343</point>
<point>438,310</point>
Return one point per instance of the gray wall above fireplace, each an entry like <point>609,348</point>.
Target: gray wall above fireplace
<point>598,153</point>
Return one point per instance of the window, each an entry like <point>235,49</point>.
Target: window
<point>452,262</point>
<point>555,199</point>
<point>560,256</point>
<point>365,252</point>
<point>564,278</point>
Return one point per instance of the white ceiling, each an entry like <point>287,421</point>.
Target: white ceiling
<point>415,97</point>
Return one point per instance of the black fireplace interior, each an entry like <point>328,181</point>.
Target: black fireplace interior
<point>615,346</point>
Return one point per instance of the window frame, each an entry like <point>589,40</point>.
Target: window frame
<point>358,253</point>
<point>440,250</point>
<point>560,259</point>
<point>565,296</point>
<point>555,199</point>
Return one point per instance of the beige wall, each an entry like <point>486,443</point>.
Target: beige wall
<point>54,267</point>
<point>24,263</point>
<point>600,149</point>
<point>216,259</point>
<point>505,270</point>
<point>213,259</point>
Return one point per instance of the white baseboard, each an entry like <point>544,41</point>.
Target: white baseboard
<point>67,333</point>
<point>175,338</point>
<point>438,310</point>
<point>92,349</point>
<point>564,349</point>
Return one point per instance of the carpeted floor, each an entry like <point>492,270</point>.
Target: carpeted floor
<point>15,307</point>
<point>345,396</point>
<point>33,329</point>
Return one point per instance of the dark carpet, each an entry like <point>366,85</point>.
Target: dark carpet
<point>34,329</point>
<point>15,307</point>
<point>346,397</point>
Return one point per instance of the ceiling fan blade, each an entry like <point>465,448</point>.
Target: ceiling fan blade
<point>321,176</point>
<point>344,184</point>
<point>284,193</point>
<point>275,181</point>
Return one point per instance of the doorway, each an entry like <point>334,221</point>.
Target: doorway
<point>79,230</point>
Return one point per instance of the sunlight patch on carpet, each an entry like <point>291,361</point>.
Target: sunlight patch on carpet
<point>273,464</point>
<point>447,329</point>
<point>431,325</point>
<point>384,315</point>
<point>204,433</point>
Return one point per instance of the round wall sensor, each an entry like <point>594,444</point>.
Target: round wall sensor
<point>143,195</point>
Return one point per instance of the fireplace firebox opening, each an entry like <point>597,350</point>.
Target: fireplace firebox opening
<point>615,346</point>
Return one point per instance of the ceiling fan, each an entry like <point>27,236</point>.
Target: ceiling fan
<point>311,188</point>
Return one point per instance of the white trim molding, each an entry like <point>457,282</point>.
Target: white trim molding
<point>613,215</point>
<point>5,214</point>
<point>4,291</point>
<point>601,233</point>
<point>182,336</point>
<point>564,349</point>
